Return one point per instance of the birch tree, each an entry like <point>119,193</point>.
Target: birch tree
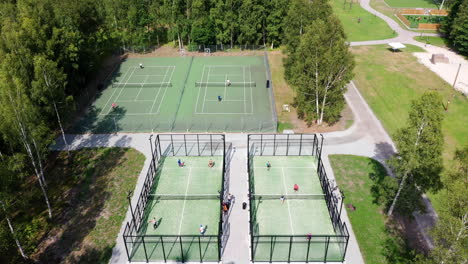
<point>418,163</point>
<point>7,176</point>
<point>48,86</point>
<point>23,121</point>
<point>322,68</point>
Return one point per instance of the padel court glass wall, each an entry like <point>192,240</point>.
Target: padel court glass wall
<point>267,247</point>
<point>141,247</point>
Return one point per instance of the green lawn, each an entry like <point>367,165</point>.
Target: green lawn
<point>88,196</point>
<point>383,8</point>
<point>370,27</point>
<point>413,3</point>
<point>389,81</point>
<point>435,41</point>
<point>368,222</point>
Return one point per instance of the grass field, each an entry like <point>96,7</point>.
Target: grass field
<point>88,198</point>
<point>413,3</point>
<point>378,238</point>
<point>435,41</point>
<point>389,81</point>
<point>370,27</point>
<point>368,222</point>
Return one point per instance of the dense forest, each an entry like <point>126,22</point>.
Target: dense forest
<point>455,27</point>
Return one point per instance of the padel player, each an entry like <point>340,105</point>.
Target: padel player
<point>296,187</point>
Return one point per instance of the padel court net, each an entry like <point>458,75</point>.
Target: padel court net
<point>294,213</point>
<point>178,214</point>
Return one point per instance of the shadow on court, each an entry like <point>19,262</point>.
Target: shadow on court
<point>92,123</point>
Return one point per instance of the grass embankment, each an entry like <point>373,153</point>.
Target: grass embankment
<point>435,41</point>
<point>390,81</point>
<point>88,196</point>
<point>368,222</point>
<point>379,240</point>
<point>360,25</point>
<point>413,3</point>
<point>383,8</point>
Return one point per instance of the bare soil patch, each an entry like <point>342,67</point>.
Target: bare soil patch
<point>284,94</point>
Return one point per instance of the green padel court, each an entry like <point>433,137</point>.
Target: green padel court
<point>196,94</point>
<point>281,227</point>
<point>182,199</point>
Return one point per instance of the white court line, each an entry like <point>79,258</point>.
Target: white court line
<point>287,202</point>
<point>117,98</point>
<point>225,74</point>
<point>245,103</point>
<point>132,101</point>
<point>165,90</point>
<point>168,66</point>
<point>148,75</point>
<point>206,88</point>
<point>251,88</point>
<point>185,200</point>
<point>199,89</point>
<point>221,113</point>
<point>221,66</point>
<point>112,95</point>
<point>225,100</point>
<point>225,86</point>
<point>159,91</point>
<point>138,94</point>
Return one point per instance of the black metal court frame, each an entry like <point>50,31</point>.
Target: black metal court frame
<point>295,145</point>
<point>176,145</point>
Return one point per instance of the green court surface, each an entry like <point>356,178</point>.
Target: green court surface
<point>181,94</point>
<point>180,215</point>
<point>302,212</point>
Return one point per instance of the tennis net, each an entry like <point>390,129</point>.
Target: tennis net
<point>288,196</point>
<point>184,197</point>
<point>142,85</point>
<point>222,84</point>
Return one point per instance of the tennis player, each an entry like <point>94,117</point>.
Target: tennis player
<point>296,187</point>
<point>211,163</point>
<point>309,236</point>
<point>228,82</point>
<point>268,165</point>
<point>141,66</point>
<point>202,229</point>
<point>220,98</point>
<point>282,199</point>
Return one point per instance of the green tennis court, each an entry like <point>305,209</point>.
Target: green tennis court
<point>302,212</point>
<point>182,199</point>
<point>198,94</point>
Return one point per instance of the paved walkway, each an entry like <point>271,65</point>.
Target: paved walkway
<point>404,36</point>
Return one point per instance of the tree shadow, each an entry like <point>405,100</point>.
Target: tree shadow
<point>79,207</point>
<point>383,151</point>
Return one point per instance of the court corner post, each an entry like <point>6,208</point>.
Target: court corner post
<point>129,198</point>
